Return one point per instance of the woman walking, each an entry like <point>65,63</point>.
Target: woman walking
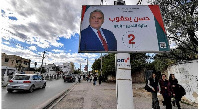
<point>175,87</point>
<point>166,91</point>
<point>154,85</point>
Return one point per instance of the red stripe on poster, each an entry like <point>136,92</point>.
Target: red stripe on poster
<point>83,12</point>
<point>156,12</point>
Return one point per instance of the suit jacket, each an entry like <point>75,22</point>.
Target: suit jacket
<point>91,42</point>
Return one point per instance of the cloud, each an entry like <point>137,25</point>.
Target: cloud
<point>44,20</point>
<point>59,51</point>
<point>60,58</point>
<point>6,43</point>
<point>32,48</point>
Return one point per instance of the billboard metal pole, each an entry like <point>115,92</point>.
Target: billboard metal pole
<point>124,89</point>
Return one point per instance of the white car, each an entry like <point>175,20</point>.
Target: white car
<point>27,82</point>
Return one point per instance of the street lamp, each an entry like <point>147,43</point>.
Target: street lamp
<point>87,65</point>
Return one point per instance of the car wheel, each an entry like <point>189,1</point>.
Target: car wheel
<point>44,85</point>
<point>10,91</point>
<point>31,88</point>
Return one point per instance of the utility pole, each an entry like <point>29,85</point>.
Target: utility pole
<point>42,62</point>
<point>87,65</point>
<point>80,68</point>
<point>124,88</point>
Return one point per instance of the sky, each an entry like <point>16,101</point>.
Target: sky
<point>30,27</point>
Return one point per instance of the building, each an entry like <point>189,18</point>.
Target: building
<point>50,69</point>
<point>67,68</point>
<point>13,61</point>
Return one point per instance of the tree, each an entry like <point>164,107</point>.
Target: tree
<point>43,70</point>
<point>108,67</point>
<point>97,65</point>
<point>108,64</point>
<point>77,72</point>
<point>138,61</point>
<point>181,21</point>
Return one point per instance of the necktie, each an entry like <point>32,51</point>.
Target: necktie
<point>105,46</point>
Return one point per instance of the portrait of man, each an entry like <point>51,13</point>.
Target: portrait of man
<point>96,38</point>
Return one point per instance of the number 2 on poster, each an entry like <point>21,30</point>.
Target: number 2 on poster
<point>132,38</point>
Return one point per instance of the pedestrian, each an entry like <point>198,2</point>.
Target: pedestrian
<point>95,79</point>
<point>175,87</point>
<point>87,78</point>
<point>154,85</point>
<point>100,79</point>
<point>166,91</point>
<point>79,78</point>
<point>83,77</point>
<point>90,78</point>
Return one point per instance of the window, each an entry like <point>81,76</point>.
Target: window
<point>40,77</point>
<point>18,61</point>
<point>21,77</point>
<point>35,77</point>
<point>25,62</point>
<point>6,59</point>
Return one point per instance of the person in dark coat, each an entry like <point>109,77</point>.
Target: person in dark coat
<point>178,93</point>
<point>100,79</point>
<point>154,85</point>
<point>95,80</point>
<point>166,91</point>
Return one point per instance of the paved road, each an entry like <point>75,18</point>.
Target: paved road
<point>25,100</point>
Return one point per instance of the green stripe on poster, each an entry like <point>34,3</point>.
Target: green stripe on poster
<point>163,43</point>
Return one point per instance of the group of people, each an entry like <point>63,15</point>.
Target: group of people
<point>94,78</point>
<point>170,89</point>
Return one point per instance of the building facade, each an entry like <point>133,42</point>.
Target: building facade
<point>13,61</point>
<point>50,69</point>
<point>67,68</point>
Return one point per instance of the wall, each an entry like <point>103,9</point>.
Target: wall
<point>187,75</point>
<point>138,77</point>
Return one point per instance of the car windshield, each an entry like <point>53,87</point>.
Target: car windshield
<point>21,77</point>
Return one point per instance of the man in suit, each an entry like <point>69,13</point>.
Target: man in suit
<point>95,38</point>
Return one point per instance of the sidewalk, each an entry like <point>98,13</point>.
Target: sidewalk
<point>86,96</point>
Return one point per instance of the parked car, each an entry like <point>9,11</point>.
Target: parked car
<point>69,78</point>
<point>28,82</point>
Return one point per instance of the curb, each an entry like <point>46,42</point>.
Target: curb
<point>49,104</point>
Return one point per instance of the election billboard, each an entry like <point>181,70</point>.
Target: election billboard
<point>122,28</point>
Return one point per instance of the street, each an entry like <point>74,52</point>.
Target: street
<point>25,100</point>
